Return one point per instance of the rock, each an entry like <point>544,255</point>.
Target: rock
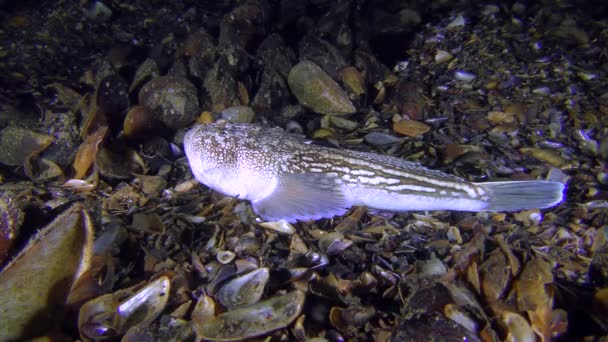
<point>290,112</point>
<point>112,97</point>
<point>249,21</point>
<point>273,92</point>
<point>274,54</point>
<point>144,73</point>
<point>403,21</point>
<point>221,86</point>
<point>173,100</point>
<point>322,53</point>
<point>372,69</point>
<point>316,90</point>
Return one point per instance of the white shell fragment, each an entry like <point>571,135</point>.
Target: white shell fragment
<point>464,76</point>
<point>442,56</point>
<point>225,257</point>
<point>151,300</point>
<point>111,315</point>
<point>459,21</point>
<point>281,227</point>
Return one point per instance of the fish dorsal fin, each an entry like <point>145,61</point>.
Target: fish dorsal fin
<point>303,196</point>
<point>404,165</point>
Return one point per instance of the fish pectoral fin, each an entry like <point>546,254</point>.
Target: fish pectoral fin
<point>303,196</point>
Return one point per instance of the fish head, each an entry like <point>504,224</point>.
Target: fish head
<point>226,158</point>
<point>203,151</point>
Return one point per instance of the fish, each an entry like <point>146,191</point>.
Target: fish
<point>286,177</point>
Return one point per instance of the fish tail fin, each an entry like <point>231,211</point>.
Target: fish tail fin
<point>522,195</point>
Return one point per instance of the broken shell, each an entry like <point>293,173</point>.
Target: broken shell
<point>498,117</point>
<point>87,152</point>
<point>67,95</point>
<point>11,218</point>
<point>204,310</point>
<point>315,89</point>
<point>411,128</point>
<point>532,292</point>
<point>461,316</point>
<point>459,21</point>
<point>351,317</point>
<point>119,165</point>
<point>442,56</point>
<point>464,76</point>
<point>431,267</point>
<point>152,185</point>
<point>152,299</point>
<point>282,227</point>
<point>221,85</point>
<point>37,282</point>
<point>335,318</point>
<point>114,315</point>
<point>185,186</point>
<point>431,328</point>
<point>18,144</point>
<point>238,114</point>
<point>549,156</point>
<point>112,96</point>
<point>145,72</point>
<point>299,330</point>
<point>42,169</point>
<point>245,289</point>
<point>353,79</point>
<point>544,91</point>
<point>518,327</point>
<point>148,223</point>
<point>247,245</point>
<point>333,243</point>
<point>342,123</point>
<point>495,276</point>
<point>324,133</point>
<point>225,257</point>
<point>298,245</point>
<point>380,138</point>
<point>246,265</point>
<point>253,320</point>
<point>206,117</point>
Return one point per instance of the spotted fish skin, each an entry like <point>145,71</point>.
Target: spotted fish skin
<point>287,178</point>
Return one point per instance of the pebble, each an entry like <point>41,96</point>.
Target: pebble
<point>138,121</point>
<point>174,100</point>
